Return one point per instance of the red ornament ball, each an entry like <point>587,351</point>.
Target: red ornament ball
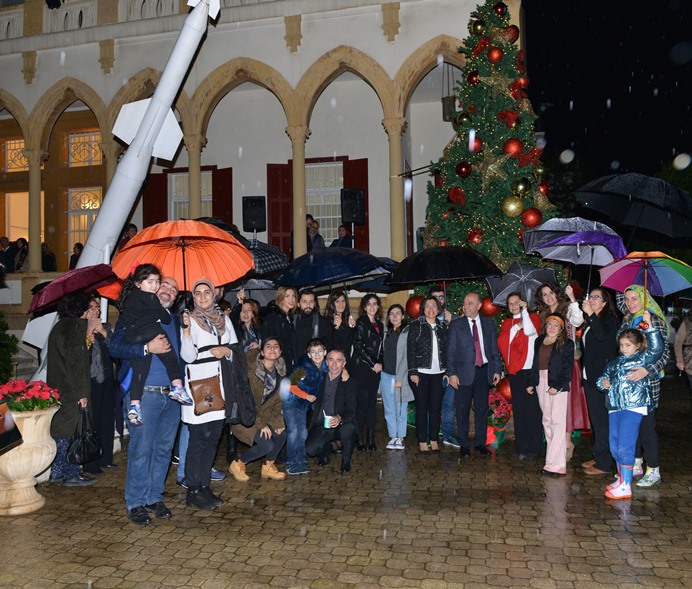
<point>473,78</point>
<point>504,389</point>
<point>463,169</point>
<point>500,8</point>
<point>544,187</point>
<point>487,307</point>
<point>475,236</point>
<point>510,33</point>
<point>413,306</point>
<point>477,145</point>
<point>495,55</point>
<point>456,195</point>
<point>531,218</point>
<point>513,147</point>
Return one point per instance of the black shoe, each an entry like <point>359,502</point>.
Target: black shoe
<point>215,500</point>
<point>371,441</point>
<point>482,450</point>
<point>80,481</point>
<point>360,444</point>
<point>159,509</point>
<point>323,460</point>
<point>465,452</point>
<point>175,461</point>
<point>345,467</point>
<point>197,498</point>
<point>139,516</point>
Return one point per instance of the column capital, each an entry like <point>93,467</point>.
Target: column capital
<point>298,133</point>
<point>394,126</point>
<point>195,143</point>
<point>111,149</point>
<point>35,157</point>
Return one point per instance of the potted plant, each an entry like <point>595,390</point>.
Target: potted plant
<point>32,406</point>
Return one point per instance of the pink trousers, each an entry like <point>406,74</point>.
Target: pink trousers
<point>554,423</point>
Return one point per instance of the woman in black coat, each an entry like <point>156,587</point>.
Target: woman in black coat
<point>599,344</point>
<point>366,362</point>
<point>276,319</point>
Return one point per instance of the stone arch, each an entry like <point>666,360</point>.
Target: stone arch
<point>230,75</point>
<point>420,62</point>
<point>331,65</point>
<point>54,102</point>
<point>142,85</point>
<point>16,109</point>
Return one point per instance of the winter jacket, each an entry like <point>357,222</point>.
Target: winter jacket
<point>560,365</point>
<point>367,346</point>
<point>276,323</point>
<point>629,394</point>
<point>420,345</point>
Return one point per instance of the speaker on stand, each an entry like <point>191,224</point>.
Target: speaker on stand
<point>254,214</point>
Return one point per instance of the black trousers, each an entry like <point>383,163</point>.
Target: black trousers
<point>528,417</point>
<point>647,443</point>
<point>476,392</point>
<point>428,393</point>
<point>265,447</point>
<point>319,439</point>
<point>368,383</point>
<point>102,407</point>
<point>598,414</point>
<point>201,452</point>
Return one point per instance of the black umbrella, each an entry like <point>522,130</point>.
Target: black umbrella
<point>519,278</point>
<point>443,263</point>
<point>636,200</point>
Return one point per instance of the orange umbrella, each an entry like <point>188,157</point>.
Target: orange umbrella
<point>186,251</point>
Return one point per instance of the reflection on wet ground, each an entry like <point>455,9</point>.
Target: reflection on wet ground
<point>397,520</point>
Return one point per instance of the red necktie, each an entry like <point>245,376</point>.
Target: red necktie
<point>477,344</point>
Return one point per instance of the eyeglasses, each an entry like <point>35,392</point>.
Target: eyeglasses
<point>317,353</point>
<point>597,297</point>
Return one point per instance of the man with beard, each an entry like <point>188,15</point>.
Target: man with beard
<point>309,324</point>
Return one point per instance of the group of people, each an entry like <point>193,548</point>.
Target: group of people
<point>313,381</point>
<point>314,239</point>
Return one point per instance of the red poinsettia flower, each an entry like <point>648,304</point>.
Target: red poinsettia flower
<point>22,396</point>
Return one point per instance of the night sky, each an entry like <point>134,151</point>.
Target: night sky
<point>611,81</point>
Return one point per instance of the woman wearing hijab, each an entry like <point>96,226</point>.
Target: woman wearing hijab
<point>206,337</point>
<point>637,300</point>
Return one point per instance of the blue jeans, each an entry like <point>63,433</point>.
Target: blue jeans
<point>623,432</point>
<point>448,412</point>
<point>295,412</point>
<point>183,440</point>
<point>395,411</point>
<point>149,450</point>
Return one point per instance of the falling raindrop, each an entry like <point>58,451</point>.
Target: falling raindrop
<point>571,104</point>
<point>472,139</point>
<point>655,92</point>
<point>332,102</point>
<point>303,531</point>
<point>62,58</point>
<point>380,473</point>
<point>240,152</point>
<point>384,534</point>
<point>421,149</point>
<point>566,156</point>
<point>614,165</point>
<point>339,537</point>
<point>440,59</point>
<point>252,502</point>
<point>681,161</point>
<point>608,103</point>
<point>541,142</point>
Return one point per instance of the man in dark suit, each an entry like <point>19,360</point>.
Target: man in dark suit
<point>473,364</point>
<point>334,413</point>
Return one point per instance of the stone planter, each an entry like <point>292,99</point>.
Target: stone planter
<point>20,466</point>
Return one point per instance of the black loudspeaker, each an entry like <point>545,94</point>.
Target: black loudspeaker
<point>353,206</point>
<point>254,213</point>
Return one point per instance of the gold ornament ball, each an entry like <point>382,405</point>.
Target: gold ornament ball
<point>477,27</point>
<point>521,187</point>
<point>512,206</point>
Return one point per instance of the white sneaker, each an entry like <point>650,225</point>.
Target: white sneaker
<point>400,444</point>
<point>392,444</point>
<point>638,469</point>
<point>651,477</point>
<point>624,491</point>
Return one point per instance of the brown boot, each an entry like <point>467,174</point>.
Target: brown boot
<point>237,469</point>
<point>269,471</point>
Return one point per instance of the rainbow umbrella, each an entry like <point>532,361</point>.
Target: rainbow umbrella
<point>657,272</point>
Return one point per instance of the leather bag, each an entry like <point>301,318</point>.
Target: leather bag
<point>85,444</point>
<point>206,393</point>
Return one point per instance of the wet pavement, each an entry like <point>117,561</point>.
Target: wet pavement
<point>397,520</point>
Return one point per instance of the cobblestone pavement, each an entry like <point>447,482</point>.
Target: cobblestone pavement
<point>397,520</point>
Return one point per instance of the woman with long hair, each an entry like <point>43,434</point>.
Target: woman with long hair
<point>396,391</point>
<point>550,298</point>
<point>246,320</point>
<point>343,322</point>
<point>518,332</point>
<point>553,360</point>
<point>599,345</point>
<point>368,356</point>
<point>276,319</point>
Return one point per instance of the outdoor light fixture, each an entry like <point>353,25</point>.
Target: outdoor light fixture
<point>449,107</point>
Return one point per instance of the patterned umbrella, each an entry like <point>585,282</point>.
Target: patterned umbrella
<point>658,273</point>
<point>268,258</point>
<point>519,278</point>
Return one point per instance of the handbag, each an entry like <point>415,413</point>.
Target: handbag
<point>206,393</point>
<point>85,444</point>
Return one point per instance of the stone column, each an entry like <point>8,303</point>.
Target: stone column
<point>194,145</point>
<point>36,158</point>
<point>111,150</point>
<point>299,135</point>
<point>395,126</point>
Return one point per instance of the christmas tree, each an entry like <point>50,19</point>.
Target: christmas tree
<point>489,184</point>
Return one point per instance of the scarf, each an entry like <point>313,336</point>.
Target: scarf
<point>651,305</point>
<point>212,320</point>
